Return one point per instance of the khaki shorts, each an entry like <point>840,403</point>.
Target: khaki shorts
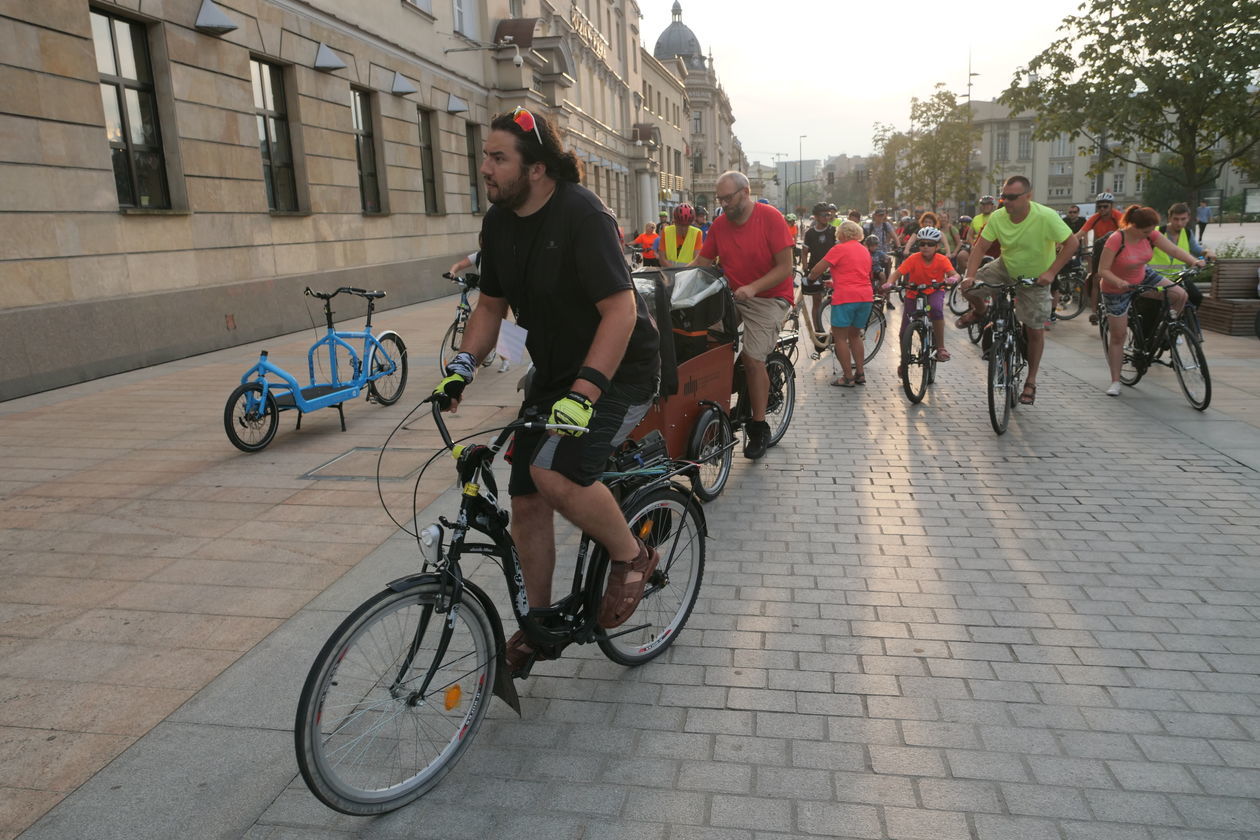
<point>763,318</point>
<point>1032,303</point>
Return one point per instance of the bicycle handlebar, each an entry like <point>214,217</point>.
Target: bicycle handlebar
<point>923,287</point>
<point>530,425</point>
<point>364,293</point>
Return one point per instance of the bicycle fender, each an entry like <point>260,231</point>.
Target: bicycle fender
<point>503,687</point>
<point>395,334</point>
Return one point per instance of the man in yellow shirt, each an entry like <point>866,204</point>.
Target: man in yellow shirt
<point>1029,234</point>
<point>680,242</point>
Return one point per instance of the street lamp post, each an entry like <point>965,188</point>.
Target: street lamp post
<point>799,166</point>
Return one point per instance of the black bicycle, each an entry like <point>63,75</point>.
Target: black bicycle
<point>1008,351</point>
<point>1156,331</point>
<point>453,339</point>
<point>1069,292</point>
<point>918,343</point>
<point>398,691</point>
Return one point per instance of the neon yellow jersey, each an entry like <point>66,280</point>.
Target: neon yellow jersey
<point>1027,246</point>
<point>1164,263</point>
<point>978,223</point>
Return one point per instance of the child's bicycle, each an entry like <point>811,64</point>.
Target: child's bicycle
<point>917,368</point>
<point>454,336</point>
<point>251,415</point>
<point>398,691</point>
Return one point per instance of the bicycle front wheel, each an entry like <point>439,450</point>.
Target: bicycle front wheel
<point>1191,367</point>
<point>249,420</point>
<point>781,401</point>
<point>914,362</point>
<point>710,447</point>
<point>368,739</point>
<point>389,366</point>
<point>956,302</point>
<point>665,520</point>
<point>450,345</point>
<point>1001,386</point>
<point>1072,300</point>
<point>873,335</point>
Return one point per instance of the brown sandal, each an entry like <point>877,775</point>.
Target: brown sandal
<point>520,655</point>
<point>1029,395</point>
<point>626,582</point>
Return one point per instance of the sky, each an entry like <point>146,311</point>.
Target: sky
<point>830,70</point>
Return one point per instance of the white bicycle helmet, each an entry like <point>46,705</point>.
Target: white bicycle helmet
<point>1105,196</point>
<point>931,234</point>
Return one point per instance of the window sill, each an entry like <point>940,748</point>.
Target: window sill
<point>289,212</point>
<point>153,211</point>
<point>376,213</point>
<point>424,13</point>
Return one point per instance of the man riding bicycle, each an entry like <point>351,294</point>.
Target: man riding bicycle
<point>755,247</point>
<point>679,243</point>
<point>1028,233</point>
<point>820,237</point>
<point>552,255</point>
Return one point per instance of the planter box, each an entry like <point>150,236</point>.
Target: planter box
<point>1232,303</point>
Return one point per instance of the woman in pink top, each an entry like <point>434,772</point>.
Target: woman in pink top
<point>851,296</point>
<point>1124,274</point>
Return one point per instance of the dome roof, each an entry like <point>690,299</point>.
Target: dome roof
<point>678,39</point>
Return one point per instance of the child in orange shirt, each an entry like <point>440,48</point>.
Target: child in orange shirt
<point>928,265</point>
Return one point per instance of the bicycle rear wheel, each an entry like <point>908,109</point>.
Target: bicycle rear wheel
<point>1072,300</point>
<point>1001,388</point>
<point>1191,367</point>
<point>781,401</point>
<point>956,302</point>
<point>665,519</point>
<point>451,342</point>
<point>366,741</point>
<point>914,362</point>
<point>391,365</point>
<point>873,335</point>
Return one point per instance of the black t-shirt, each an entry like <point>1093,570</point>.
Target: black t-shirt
<point>553,267</point>
<point>819,242</point>
<point>1076,224</point>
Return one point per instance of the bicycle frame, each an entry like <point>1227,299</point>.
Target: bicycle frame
<point>573,617</point>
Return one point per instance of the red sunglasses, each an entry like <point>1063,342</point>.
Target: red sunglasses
<point>527,122</point>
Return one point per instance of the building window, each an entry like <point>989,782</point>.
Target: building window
<point>430,154</point>
<point>365,150</point>
<point>474,177</point>
<point>1117,182</point>
<point>1061,146</point>
<point>1139,182</point>
<point>131,113</point>
<point>424,5</point>
<point>273,135</point>
<point>465,15</point>
<point>1001,146</point>
<point>1060,169</point>
<point>516,8</point>
<point>1025,145</point>
<point>697,122</point>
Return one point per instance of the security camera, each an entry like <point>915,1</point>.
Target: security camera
<point>518,61</point>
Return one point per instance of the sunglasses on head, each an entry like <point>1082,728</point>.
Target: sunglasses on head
<point>527,122</point>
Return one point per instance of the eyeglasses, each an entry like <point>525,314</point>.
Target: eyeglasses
<point>926,244</point>
<point>729,197</point>
<point>1012,196</point>
<point>527,122</point>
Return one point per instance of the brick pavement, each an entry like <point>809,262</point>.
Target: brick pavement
<point>909,629</point>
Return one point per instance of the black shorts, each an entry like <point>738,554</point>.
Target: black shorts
<point>583,459</point>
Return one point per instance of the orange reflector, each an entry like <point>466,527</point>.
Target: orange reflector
<point>645,528</point>
<point>451,699</point>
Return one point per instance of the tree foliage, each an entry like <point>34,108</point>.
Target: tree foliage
<point>1145,78</point>
<point>929,165</point>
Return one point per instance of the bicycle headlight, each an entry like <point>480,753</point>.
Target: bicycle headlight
<point>431,542</point>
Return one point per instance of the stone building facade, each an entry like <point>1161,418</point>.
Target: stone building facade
<point>177,171</point>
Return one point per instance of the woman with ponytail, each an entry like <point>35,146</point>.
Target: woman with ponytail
<point>1124,274</point>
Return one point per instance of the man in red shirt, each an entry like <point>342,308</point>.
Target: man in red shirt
<point>1106,219</point>
<point>755,247</point>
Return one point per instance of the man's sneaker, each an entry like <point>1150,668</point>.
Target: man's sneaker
<point>757,433</point>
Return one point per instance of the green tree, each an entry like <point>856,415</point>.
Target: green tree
<point>1163,189</point>
<point>1140,78</point>
<point>890,147</point>
<point>938,150</point>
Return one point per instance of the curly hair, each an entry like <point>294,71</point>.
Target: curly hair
<point>541,147</point>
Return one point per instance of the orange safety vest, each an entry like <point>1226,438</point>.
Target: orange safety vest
<point>669,242</point>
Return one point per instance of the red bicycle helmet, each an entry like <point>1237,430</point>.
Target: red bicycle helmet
<point>684,214</point>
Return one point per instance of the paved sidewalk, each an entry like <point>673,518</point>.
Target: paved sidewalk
<point>909,628</point>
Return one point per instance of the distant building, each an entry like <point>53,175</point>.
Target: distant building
<point>713,147</point>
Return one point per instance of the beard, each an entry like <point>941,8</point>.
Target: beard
<point>511,194</point>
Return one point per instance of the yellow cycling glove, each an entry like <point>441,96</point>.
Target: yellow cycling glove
<point>573,409</point>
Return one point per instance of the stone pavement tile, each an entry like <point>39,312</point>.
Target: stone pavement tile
<point>172,668</point>
<point>873,789</point>
<point>1044,801</point>
<point>907,761</point>
<point>1128,807</point>
<point>86,707</point>
<point>828,820</point>
<point>1218,812</point>
<point>1070,772</point>
<point>1102,831</point>
<point>146,800</point>
<point>1177,750</point>
<point>916,824</point>
<point>999,827</point>
<point>787,783</point>
<point>755,812</point>
<point>959,795</point>
<point>715,776</point>
<point>825,755</point>
<point>20,807</point>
